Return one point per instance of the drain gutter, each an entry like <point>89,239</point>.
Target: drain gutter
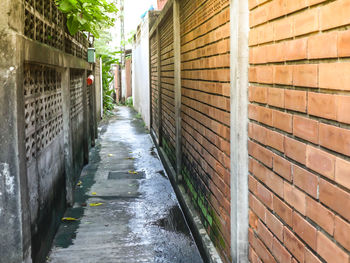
<point>204,243</point>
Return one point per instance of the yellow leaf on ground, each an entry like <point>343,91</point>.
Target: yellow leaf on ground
<point>132,172</point>
<point>96,204</point>
<point>110,155</point>
<point>130,158</point>
<point>69,219</point>
<point>79,183</point>
<point>94,193</point>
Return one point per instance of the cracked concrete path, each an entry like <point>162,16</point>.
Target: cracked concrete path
<point>137,217</point>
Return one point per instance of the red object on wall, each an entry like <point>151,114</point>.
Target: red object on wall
<point>90,80</point>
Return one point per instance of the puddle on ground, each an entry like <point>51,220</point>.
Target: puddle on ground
<point>162,173</point>
<point>153,152</point>
<point>174,221</point>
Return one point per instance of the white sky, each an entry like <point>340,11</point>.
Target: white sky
<point>133,10</point>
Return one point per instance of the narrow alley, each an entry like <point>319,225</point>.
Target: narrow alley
<point>232,144</point>
<point>125,207</point>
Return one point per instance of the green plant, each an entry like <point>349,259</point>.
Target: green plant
<point>87,15</point>
<point>129,40</point>
<point>107,78</point>
<point>129,102</point>
<point>130,37</point>
<point>109,58</point>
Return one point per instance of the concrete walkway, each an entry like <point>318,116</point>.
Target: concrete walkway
<point>125,206</point>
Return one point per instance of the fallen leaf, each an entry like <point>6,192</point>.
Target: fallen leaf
<point>96,204</point>
<point>94,193</point>
<point>69,219</point>
<point>132,172</point>
<point>110,155</point>
<point>130,158</point>
<point>79,183</point>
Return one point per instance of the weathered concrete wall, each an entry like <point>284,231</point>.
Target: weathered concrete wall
<point>77,119</point>
<point>44,151</point>
<point>36,177</point>
<point>15,235</point>
<point>140,73</point>
<point>239,52</point>
<point>98,90</point>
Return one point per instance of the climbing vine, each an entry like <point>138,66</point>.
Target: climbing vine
<point>87,15</point>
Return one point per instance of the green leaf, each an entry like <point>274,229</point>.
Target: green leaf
<point>81,19</point>
<point>73,24</point>
<point>66,6</point>
<point>87,15</point>
<point>73,2</point>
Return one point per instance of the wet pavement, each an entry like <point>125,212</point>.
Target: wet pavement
<point>125,206</point>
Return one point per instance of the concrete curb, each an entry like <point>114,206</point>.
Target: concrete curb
<point>205,245</point>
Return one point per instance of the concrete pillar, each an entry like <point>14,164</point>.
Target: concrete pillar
<point>15,233</point>
<point>177,86</point>
<point>86,120</point>
<point>67,136</point>
<point>96,99</point>
<point>239,129</point>
<point>93,113</point>
<point>101,90</point>
<point>159,83</point>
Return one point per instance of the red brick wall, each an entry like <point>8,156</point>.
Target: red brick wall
<point>299,131</point>
<point>154,83</point>
<point>128,73</point>
<point>205,58</point>
<point>166,31</point>
<point>116,84</point>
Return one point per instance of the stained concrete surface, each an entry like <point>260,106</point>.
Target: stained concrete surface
<point>139,219</point>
